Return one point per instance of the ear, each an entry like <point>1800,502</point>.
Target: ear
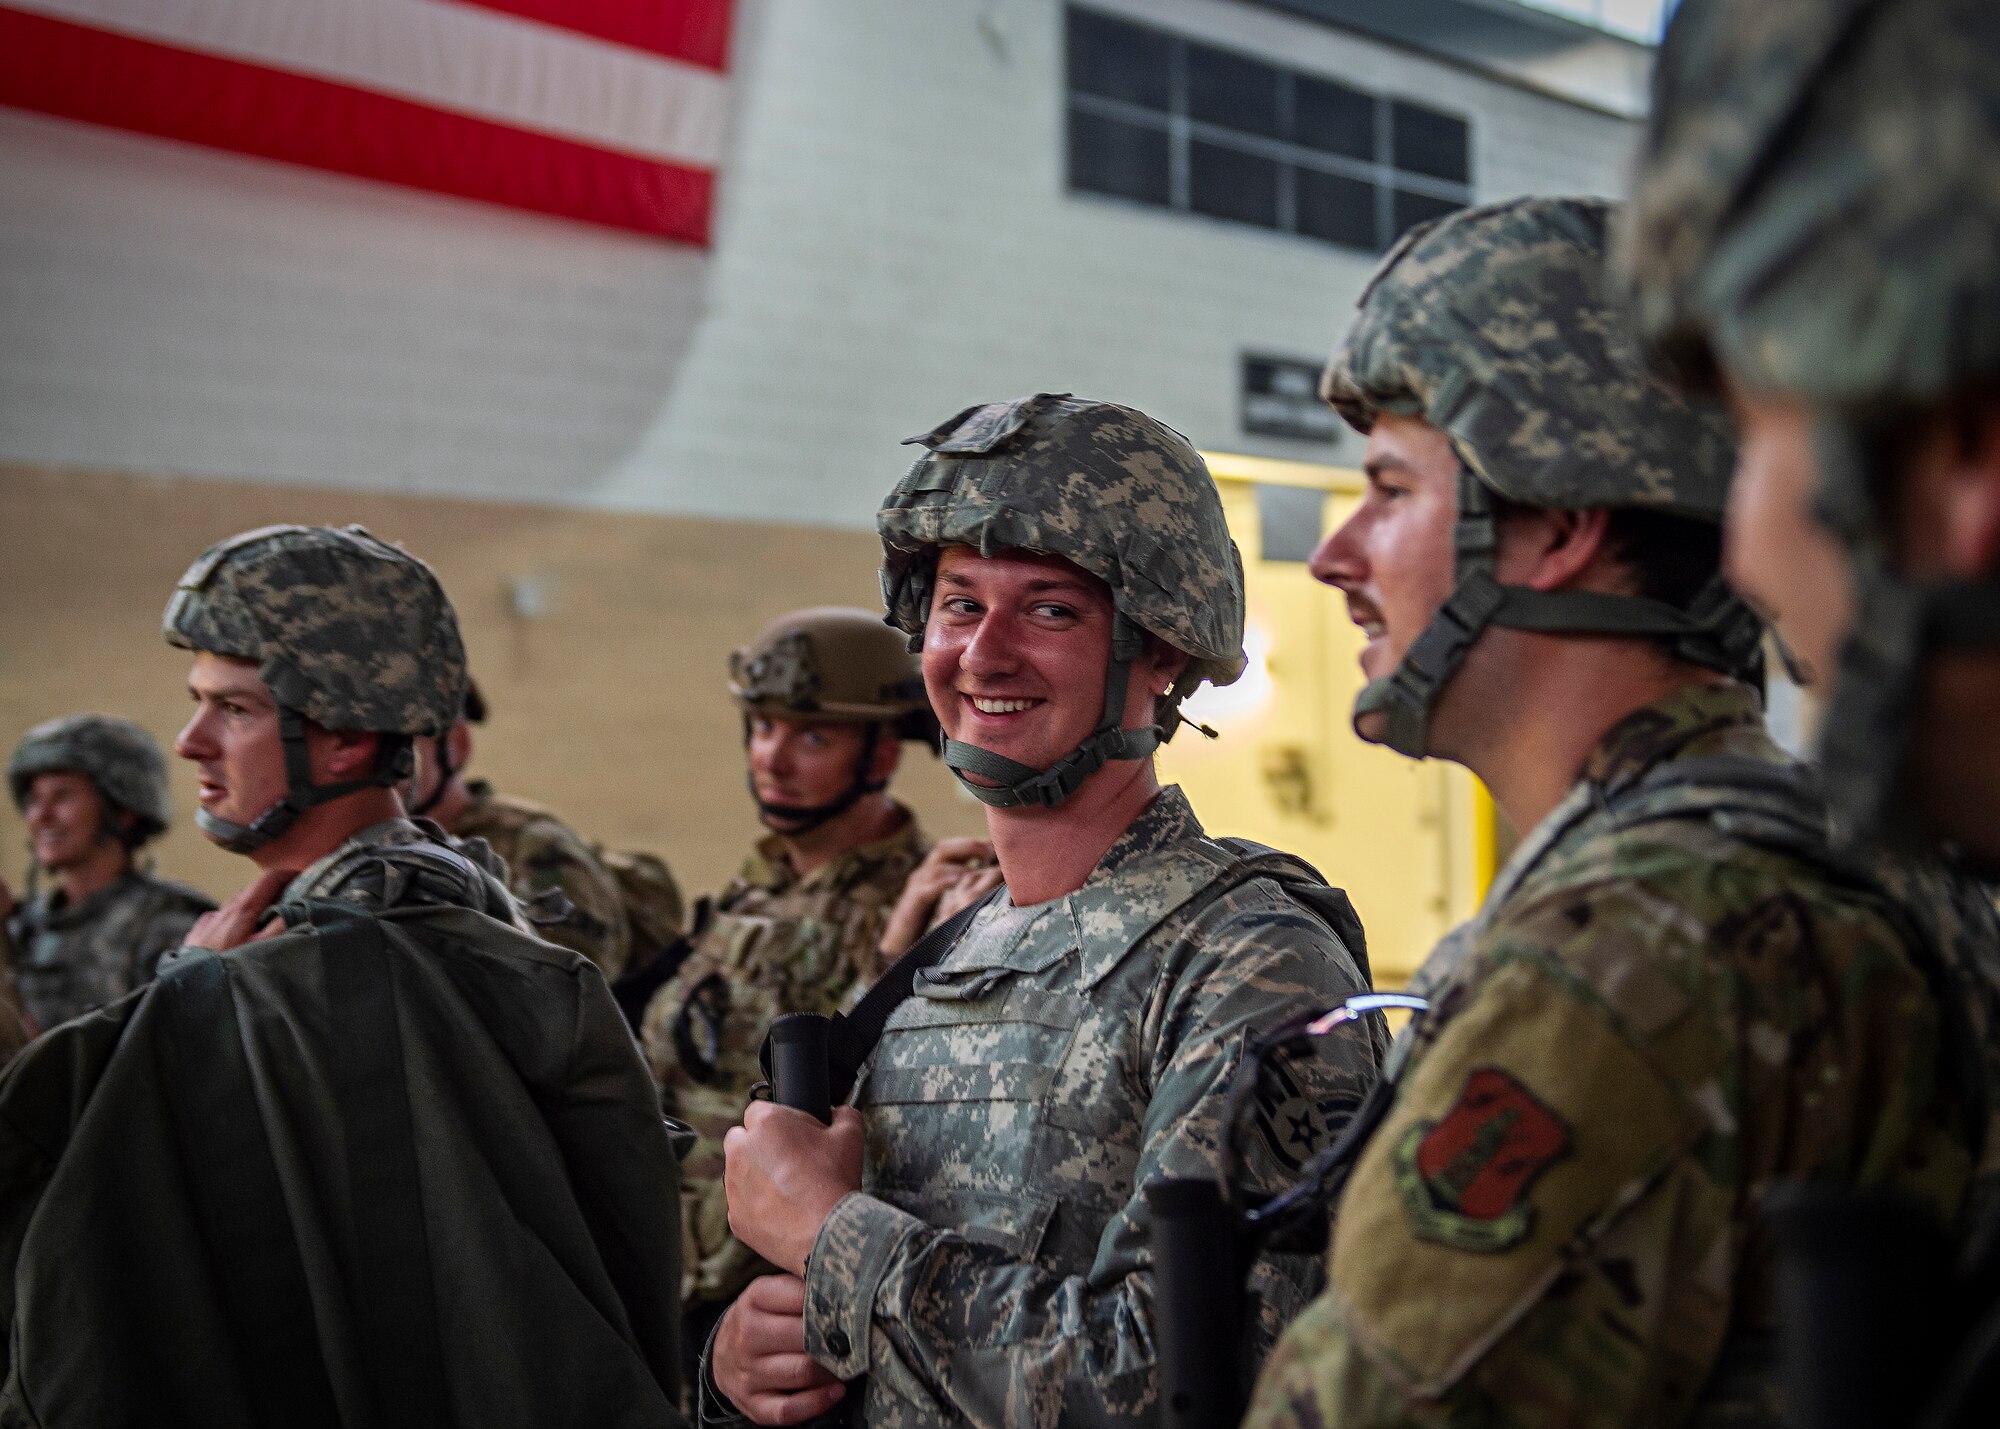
<point>1159,665</point>
<point>458,743</point>
<point>1968,499</point>
<point>1546,548</point>
<point>888,754</point>
<point>350,753</point>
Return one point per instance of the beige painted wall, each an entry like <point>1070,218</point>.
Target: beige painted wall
<point>609,705</point>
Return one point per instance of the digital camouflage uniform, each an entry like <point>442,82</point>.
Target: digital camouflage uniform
<point>543,853</point>
<point>1677,992</point>
<point>67,959</point>
<point>398,1163</point>
<point>995,1268</point>
<point>775,941</point>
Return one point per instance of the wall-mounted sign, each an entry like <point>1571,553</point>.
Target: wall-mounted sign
<point>1280,398</point>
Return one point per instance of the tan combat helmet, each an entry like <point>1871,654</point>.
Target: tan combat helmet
<point>116,755</point>
<point>839,665</point>
<point>1495,325</point>
<point>1817,215</point>
<point>345,630</point>
<point>1110,490</point>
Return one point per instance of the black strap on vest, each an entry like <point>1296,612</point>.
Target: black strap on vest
<point>853,1036</point>
<point>238,1200</point>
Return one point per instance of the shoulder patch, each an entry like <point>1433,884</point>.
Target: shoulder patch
<point>1465,1177</point>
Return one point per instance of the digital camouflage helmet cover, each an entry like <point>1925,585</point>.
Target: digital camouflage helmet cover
<point>836,665</point>
<point>1115,493</point>
<point>1494,325</point>
<point>1818,215</point>
<point>116,755</point>
<point>345,630</point>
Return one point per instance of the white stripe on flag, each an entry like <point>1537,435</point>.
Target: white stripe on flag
<point>454,57</point>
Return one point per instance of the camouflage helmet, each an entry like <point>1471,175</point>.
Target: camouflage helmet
<point>345,630</point>
<point>839,665</point>
<point>1119,495</point>
<point>1818,215</point>
<point>352,632</point>
<point>832,663</point>
<point>1495,325</point>
<point>117,756</point>
<point>1817,210</point>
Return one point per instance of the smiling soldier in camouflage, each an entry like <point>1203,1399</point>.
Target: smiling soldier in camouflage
<point>1677,990</point>
<point>970,1234</point>
<point>93,791</point>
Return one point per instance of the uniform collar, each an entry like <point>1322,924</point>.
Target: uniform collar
<point>1696,719</point>
<point>769,866</point>
<point>58,912</point>
<point>1159,862</point>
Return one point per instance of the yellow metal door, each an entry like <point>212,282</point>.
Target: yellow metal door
<point>1412,843</point>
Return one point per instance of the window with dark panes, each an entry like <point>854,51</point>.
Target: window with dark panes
<point>1333,118</point>
<point>1336,208</point>
<point>1232,92</point>
<point>1158,119</point>
<point>1430,143</point>
<point>1228,183</point>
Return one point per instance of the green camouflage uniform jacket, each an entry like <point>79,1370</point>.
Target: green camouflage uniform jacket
<point>541,852</point>
<point>1558,1221</point>
<point>995,1268</point>
<point>69,959</point>
<point>772,943</point>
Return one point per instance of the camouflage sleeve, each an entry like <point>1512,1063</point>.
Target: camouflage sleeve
<point>993,1339</point>
<point>1577,1151</point>
<point>549,856</point>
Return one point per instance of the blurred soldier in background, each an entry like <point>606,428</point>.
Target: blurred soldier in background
<point>540,851</point>
<point>1817,236</point>
<point>1676,991</point>
<point>828,696</point>
<point>973,1238</point>
<point>92,791</point>
<point>365,1151</point>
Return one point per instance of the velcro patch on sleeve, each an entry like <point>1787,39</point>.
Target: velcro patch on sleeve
<point>1465,1178</point>
<point>1525,1129</point>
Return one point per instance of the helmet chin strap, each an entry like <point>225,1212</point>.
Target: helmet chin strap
<point>1716,631</point>
<point>800,819</point>
<point>1014,784</point>
<point>1866,735</point>
<point>301,793</point>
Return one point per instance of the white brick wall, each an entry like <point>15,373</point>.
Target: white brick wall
<point>894,243</point>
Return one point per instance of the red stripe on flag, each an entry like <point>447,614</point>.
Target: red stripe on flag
<point>103,78</point>
<point>693,30</point>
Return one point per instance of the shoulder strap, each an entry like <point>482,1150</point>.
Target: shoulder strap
<point>853,1035</point>
<point>1329,904</point>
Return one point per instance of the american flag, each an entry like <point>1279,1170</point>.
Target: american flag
<point>606,111</point>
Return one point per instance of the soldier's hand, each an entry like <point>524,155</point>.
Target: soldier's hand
<point>759,1361</point>
<point>245,918</point>
<point>921,905</point>
<point>783,1174</point>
